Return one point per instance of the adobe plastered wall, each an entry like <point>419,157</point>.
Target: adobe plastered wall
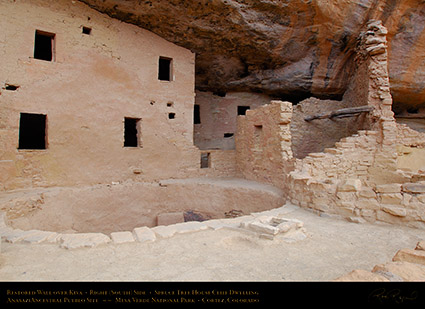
<point>218,116</point>
<point>94,82</point>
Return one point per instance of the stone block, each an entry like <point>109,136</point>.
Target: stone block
<point>18,235</point>
<point>144,234</point>
<point>170,218</point>
<point>164,231</point>
<point>414,187</point>
<point>369,215</point>
<point>350,185</point>
<point>420,197</point>
<point>388,188</point>
<point>192,226</point>
<point>367,193</point>
<point>41,236</point>
<point>411,256</point>
<point>404,270</point>
<point>394,210</point>
<point>262,228</point>
<point>356,220</point>
<point>361,275</point>
<point>391,198</point>
<point>285,227</point>
<point>122,237</point>
<point>368,204</point>
<point>73,241</point>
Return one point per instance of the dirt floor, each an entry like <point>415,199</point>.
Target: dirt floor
<point>333,247</point>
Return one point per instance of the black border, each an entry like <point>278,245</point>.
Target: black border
<point>276,294</point>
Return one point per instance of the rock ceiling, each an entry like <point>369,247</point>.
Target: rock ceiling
<point>290,49</point>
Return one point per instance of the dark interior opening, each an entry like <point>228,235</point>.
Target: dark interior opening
<point>220,93</point>
<point>86,30</point>
<point>32,131</point>
<point>171,115</point>
<point>11,87</point>
<point>242,110</point>
<point>205,160</point>
<point>43,45</point>
<point>412,110</point>
<point>131,132</point>
<point>227,135</point>
<point>164,69</point>
<point>196,114</point>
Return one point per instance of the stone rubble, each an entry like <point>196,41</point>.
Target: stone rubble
<point>406,265</point>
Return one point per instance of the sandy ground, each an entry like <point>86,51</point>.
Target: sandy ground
<point>333,248</point>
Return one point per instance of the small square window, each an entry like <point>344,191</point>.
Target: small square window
<point>131,132</point>
<point>32,131</point>
<point>171,115</point>
<point>242,110</point>
<point>44,45</point>
<point>164,69</point>
<point>86,30</point>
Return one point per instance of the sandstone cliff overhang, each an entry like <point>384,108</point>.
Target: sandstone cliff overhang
<point>288,49</point>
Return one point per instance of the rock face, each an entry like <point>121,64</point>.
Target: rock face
<point>288,49</point>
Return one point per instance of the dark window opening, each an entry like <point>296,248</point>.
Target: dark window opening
<point>170,104</point>
<point>131,136</point>
<point>196,114</point>
<point>227,135</point>
<point>242,110</point>
<point>86,30</point>
<point>32,131</point>
<point>220,93</point>
<point>44,45</point>
<point>164,69</point>
<point>205,160</point>
<point>11,87</point>
<point>413,110</point>
<point>171,115</point>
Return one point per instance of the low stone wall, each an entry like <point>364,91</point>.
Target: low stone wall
<point>342,181</point>
<point>267,224</point>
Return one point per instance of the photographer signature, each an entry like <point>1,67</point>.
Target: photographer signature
<point>394,296</point>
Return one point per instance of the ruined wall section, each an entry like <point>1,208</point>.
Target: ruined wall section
<point>93,82</point>
<point>315,136</point>
<point>359,178</point>
<point>263,143</point>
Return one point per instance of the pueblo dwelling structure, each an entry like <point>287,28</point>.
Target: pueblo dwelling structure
<point>101,131</point>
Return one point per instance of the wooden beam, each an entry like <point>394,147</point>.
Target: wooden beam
<point>341,113</point>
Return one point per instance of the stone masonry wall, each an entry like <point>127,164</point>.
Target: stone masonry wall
<point>358,178</point>
<point>316,135</point>
<point>263,143</point>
